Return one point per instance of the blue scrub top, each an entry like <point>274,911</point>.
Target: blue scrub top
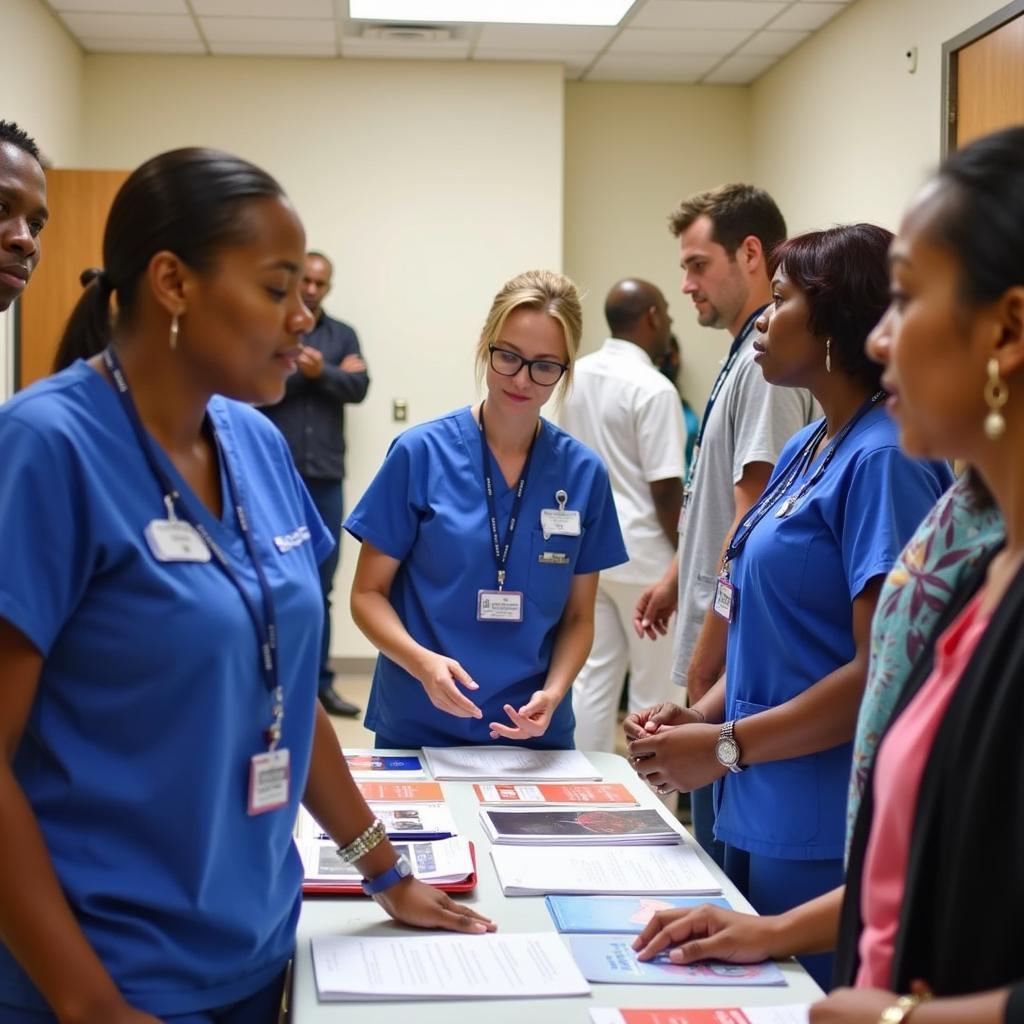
<point>135,757</point>
<point>427,508</point>
<point>795,580</point>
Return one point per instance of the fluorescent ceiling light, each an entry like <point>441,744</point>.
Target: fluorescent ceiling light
<point>518,12</point>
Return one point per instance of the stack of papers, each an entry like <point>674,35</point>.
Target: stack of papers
<point>725,1015</point>
<point>509,764</point>
<point>368,764</point>
<point>439,861</point>
<point>586,827</point>
<point>630,871</point>
<point>401,821</point>
<point>492,966</point>
<point>611,960</point>
<point>617,915</point>
<point>612,794</point>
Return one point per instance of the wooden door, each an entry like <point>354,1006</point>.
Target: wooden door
<point>985,77</point>
<point>79,202</point>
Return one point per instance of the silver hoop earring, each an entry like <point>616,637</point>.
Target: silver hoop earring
<point>996,395</point>
<point>174,331</point>
<point>828,355</point>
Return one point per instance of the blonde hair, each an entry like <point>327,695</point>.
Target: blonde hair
<point>545,290</point>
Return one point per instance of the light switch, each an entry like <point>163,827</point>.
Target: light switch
<point>399,410</point>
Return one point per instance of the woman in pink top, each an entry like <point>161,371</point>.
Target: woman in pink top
<point>930,924</point>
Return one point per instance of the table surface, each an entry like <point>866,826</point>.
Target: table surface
<point>361,916</point>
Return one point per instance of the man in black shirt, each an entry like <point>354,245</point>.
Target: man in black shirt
<point>311,416</point>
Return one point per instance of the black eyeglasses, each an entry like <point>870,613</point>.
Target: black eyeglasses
<point>544,372</point>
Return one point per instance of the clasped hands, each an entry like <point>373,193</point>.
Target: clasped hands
<point>672,749</point>
<point>441,678</point>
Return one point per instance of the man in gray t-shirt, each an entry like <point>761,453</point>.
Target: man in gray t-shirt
<point>725,238</point>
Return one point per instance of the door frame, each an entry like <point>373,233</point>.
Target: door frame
<point>950,56</point>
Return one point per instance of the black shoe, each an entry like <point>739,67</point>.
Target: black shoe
<point>335,705</point>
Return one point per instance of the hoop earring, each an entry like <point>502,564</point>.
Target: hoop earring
<point>996,395</point>
<point>174,331</point>
<point>828,355</point>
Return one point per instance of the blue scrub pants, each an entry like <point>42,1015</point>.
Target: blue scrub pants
<point>702,810</point>
<point>264,1007</point>
<point>774,885</point>
<point>328,497</point>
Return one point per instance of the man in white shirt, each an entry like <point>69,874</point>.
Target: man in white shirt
<point>623,408</point>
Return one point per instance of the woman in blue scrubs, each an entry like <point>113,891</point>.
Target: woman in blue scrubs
<point>158,577</point>
<point>799,585</point>
<point>482,537</point>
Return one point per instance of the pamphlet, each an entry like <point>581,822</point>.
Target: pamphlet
<point>597,793</point>
<point>370,764</point>
<point>617,915</point>
<point>509,764</point>
<point>386,791</point>
<point>730,1015</point>
<point>580,827</point>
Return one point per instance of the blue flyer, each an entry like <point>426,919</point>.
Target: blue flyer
<point>617,915</point>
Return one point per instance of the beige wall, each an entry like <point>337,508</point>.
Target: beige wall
<point>842,131</point>
<point>428,184</point>
<point>632,151</point>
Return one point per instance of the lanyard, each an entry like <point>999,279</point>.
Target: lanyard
<point>797,465</point>
<point>501,551</point>
<point>265,624</point>
<point>723,373</point>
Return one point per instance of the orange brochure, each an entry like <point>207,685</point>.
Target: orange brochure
<point>523,795</point>
<point>401,792</point>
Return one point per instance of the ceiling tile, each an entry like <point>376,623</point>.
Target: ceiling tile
<point>122,6</point>
<point>262,8</point>
<point>772,44</point>
<point>153,46</point>
<point>729,14</point>
<point>678,41</point>
<point>266,30</point>
<point>739,71</point>
<point>806,17</point>
<point>326,49</point>
<point>660,68</point>
<point>391,49</point>
<point>131,26</point>
<point>574,61</point>
<point>536,37</point>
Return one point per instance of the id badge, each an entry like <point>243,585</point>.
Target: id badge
<point>725,595</point>
<point>559,522</point>
<point>499,606</point>
<point>173,540</point>
<point>268,781</point>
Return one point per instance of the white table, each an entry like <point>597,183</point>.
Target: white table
<point>357,915</point>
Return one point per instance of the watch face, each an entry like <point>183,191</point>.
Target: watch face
<point>402,866</point>
<point>727,751</point>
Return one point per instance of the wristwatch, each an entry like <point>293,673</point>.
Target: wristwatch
<point>900,1010</point>
<point>727,750</point>
<point>384,881</point>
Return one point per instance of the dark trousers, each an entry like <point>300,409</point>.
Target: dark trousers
<point>328,497</point>
<point>702,809</point>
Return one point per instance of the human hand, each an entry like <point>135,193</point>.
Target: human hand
<point>414,902</point>
<point>531,720</point>
<point>680,758</point>
<point>648,721</point>
<point>310,361</point>
<point>704,933</point>
<point>352,363</point>
<point>654,609</point>
<point>439,676</point>
<point>852,1006</point>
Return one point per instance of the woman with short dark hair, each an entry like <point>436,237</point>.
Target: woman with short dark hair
<point>799,585</point>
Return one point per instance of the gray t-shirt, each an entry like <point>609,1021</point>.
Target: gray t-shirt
<point>750,422</point>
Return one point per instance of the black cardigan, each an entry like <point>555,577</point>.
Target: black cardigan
<point>961,925</point>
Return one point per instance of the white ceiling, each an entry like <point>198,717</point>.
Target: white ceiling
<point>710,41</point>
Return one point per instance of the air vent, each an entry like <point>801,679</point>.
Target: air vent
<point>407,33</point>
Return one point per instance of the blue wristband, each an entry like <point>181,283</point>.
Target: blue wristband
<point>394,874</point>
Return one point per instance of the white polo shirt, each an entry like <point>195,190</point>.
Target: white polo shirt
<point>623,408</point>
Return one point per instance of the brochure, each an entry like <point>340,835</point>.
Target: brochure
<point>598,793</point>
<point>617,915</point>
<point>580,827</point>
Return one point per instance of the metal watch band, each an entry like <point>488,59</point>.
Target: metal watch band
<point>363,843</point>
<point>900,1010</point>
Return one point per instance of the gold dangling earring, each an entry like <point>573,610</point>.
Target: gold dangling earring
<point>828,355</point>
<point>996,395</point>
<point>174,331</point>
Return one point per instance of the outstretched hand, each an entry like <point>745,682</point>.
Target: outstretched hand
<point>531,720</point>
<point>416,903</point>
<point>441,678</point>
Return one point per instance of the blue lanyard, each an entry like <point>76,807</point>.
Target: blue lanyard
<point>723,373</point>
<point>265,624</point>
<point>797,465</point>
<point>501,551</point>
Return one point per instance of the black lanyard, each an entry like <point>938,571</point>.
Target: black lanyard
<point>797,465</point>
<point>501,551</point>
<point>265,624</point>
<point>723,373</point>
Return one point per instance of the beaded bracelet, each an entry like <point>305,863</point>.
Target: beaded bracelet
<point>363,843</point>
